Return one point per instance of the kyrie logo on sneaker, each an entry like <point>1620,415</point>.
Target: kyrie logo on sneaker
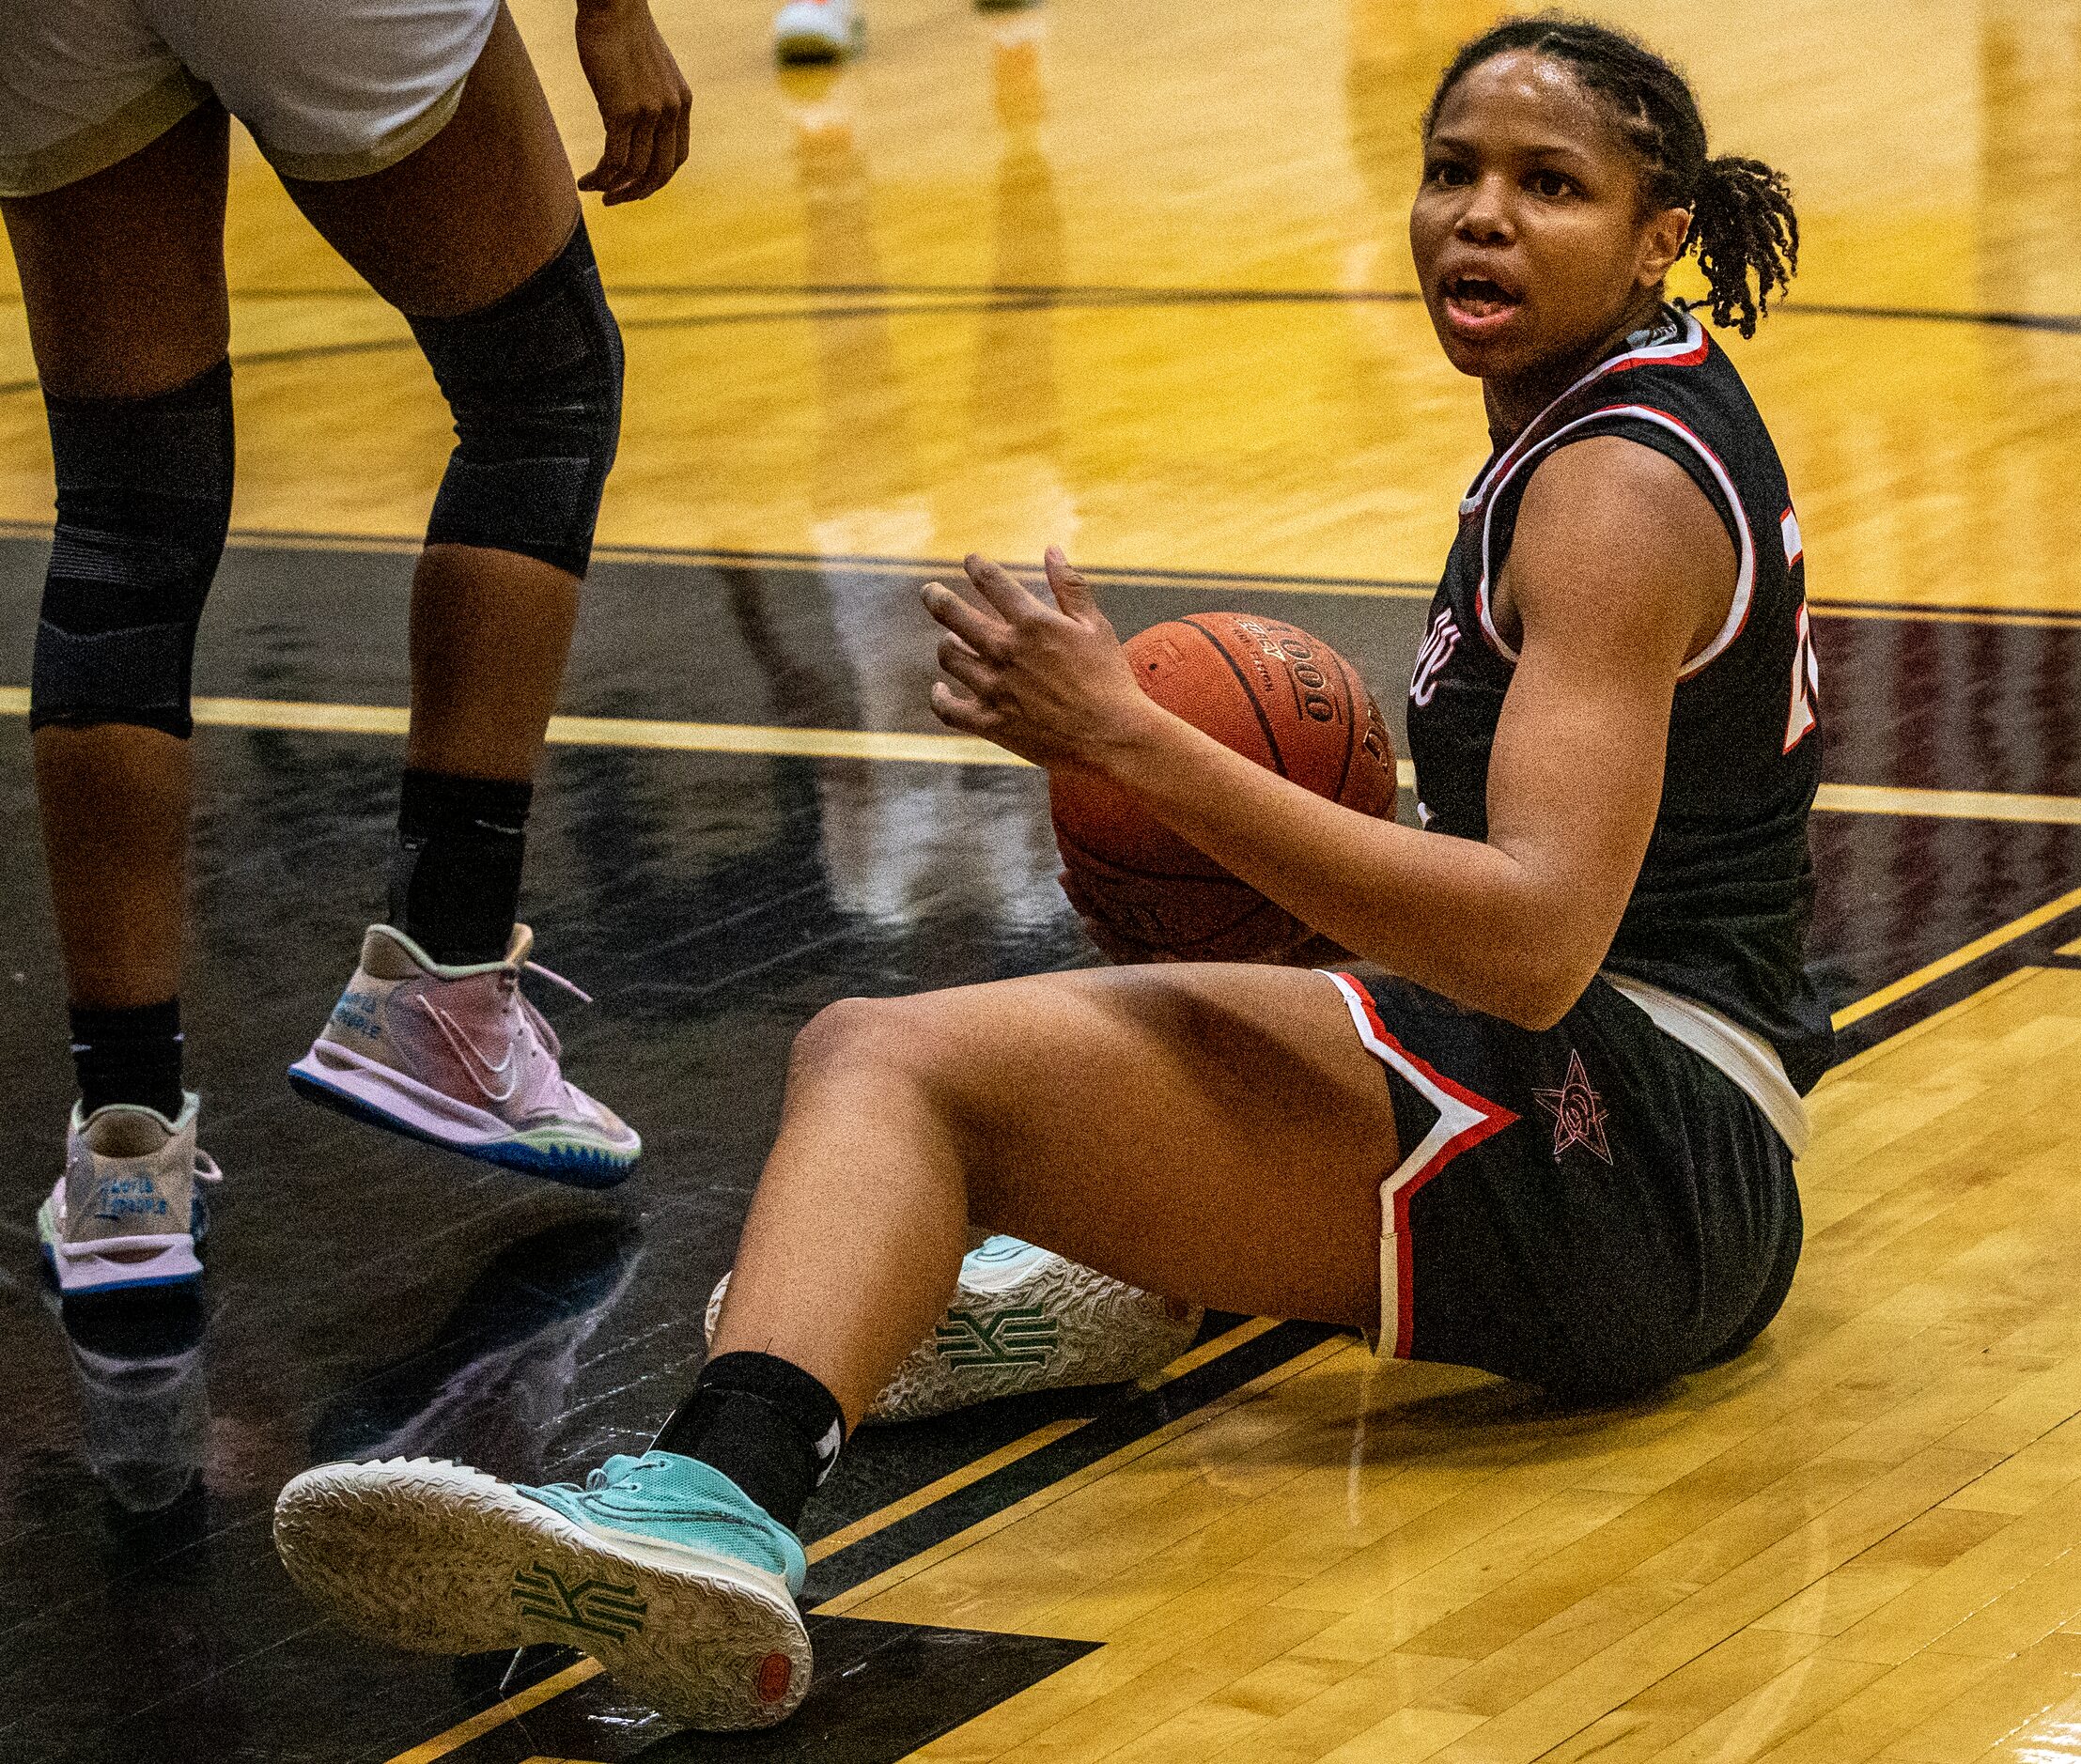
<point>1025,1337</point>
<point>1579,1112</point>
<point>596,1606</point>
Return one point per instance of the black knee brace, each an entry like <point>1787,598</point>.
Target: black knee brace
<point>535,383</point>
<point>144,498</point>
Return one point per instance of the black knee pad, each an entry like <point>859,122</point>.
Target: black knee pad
<point>535,383</point>
<point>144,500</point>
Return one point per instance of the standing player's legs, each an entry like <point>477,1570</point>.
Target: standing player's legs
<point>1213,1131</point>
<point>477,238</point>
<point>123,281</point>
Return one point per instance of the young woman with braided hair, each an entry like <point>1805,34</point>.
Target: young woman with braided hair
<point>1549,1132</point>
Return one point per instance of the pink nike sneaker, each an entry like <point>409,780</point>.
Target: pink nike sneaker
<point>458,1057</point>
<point>128,1212</point>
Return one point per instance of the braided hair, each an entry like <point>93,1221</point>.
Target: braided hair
<point>1743,227</point>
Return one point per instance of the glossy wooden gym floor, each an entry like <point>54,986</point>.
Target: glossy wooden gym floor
<point>1130,277</point>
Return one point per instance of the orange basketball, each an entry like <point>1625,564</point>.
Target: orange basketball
<point>1273,693</point>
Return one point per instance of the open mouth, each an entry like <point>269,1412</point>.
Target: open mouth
<point>1476,297</point>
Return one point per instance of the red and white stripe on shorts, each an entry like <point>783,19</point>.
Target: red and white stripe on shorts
<point>1464,1119</point>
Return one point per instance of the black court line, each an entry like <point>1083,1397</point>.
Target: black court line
<point>1072,293</point>
<point>906,299</point>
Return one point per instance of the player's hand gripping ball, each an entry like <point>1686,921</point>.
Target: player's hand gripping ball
<point>1270,691</point>
<point>1046,678</point>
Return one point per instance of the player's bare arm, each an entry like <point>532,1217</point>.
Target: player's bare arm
<point>643,101</point>
<point>1621,570</point>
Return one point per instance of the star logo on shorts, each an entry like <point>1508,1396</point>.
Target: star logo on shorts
<point>1578,1110</point>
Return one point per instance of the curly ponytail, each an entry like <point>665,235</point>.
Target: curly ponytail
<point>1743,227</point>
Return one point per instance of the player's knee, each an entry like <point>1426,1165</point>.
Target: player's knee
<point>842,1035</point>
<point>535,383</point>
<point>144,501</point>
<point>890,1038</point>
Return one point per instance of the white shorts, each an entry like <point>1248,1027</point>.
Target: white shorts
<point>330,88</point>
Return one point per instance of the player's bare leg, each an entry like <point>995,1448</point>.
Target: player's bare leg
<point>1212,1132</point>
<point>447,230</point>
<point>476,237</point>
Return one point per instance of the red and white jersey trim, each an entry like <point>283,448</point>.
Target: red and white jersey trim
<point>1687,349</point>
<point>1788,528</point>
<point>1744,577</point>
<point>1464,1120</point>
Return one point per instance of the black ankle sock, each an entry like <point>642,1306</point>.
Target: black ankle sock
<point>454,873</point>
<point>765,1424</point>
<point>128,1056</point>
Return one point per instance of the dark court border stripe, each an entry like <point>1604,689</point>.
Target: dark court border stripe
<point>865,563</point>
<point>1070,293</point>
<point>894,299</point>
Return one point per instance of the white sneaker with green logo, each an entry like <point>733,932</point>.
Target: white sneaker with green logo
<point>660,1567</point>
<point>1026,1319</point>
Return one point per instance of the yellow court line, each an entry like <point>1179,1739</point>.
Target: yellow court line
<point>955,1481</point>
<point>1211,1349</point>
<point>511,1709</point>
<point>2071,949</point>
<point>900,1572</point>
<point>1929,1023</point>
<point>1964,956</point>
<point>304,717</point>
<point>2042,621</point>
<point>1958,805</point>
<point>951,1483</point>
<point>404,545</point>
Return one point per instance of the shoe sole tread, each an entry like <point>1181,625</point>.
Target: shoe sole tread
<point>1110,1333</point>
<point>436,1558</point>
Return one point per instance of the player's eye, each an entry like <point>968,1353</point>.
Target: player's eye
<point>1448,173</point>
<point>1550,184</point>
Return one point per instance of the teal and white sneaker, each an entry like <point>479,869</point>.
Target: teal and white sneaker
<point>660,1567</point>
<point>127,1214</point>
<point>1026,1319</point>
<point>818,30</point>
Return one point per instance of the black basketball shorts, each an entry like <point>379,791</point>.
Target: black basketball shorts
<point>1593,1208</point>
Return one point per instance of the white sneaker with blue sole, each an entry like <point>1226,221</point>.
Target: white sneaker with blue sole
<point>128,1213</point>
<point>1025,1318</point>
<point>660,1567</point>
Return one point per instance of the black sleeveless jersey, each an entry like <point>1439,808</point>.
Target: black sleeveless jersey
<point>1721,910</point>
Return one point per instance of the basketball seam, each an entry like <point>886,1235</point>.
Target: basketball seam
<point>1250,693</point>
<point>1099,861</point>
<point>1344,673</point>
<point>1257,901</point>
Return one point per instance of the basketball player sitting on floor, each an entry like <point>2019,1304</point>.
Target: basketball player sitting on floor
<point>1548,1133</point>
